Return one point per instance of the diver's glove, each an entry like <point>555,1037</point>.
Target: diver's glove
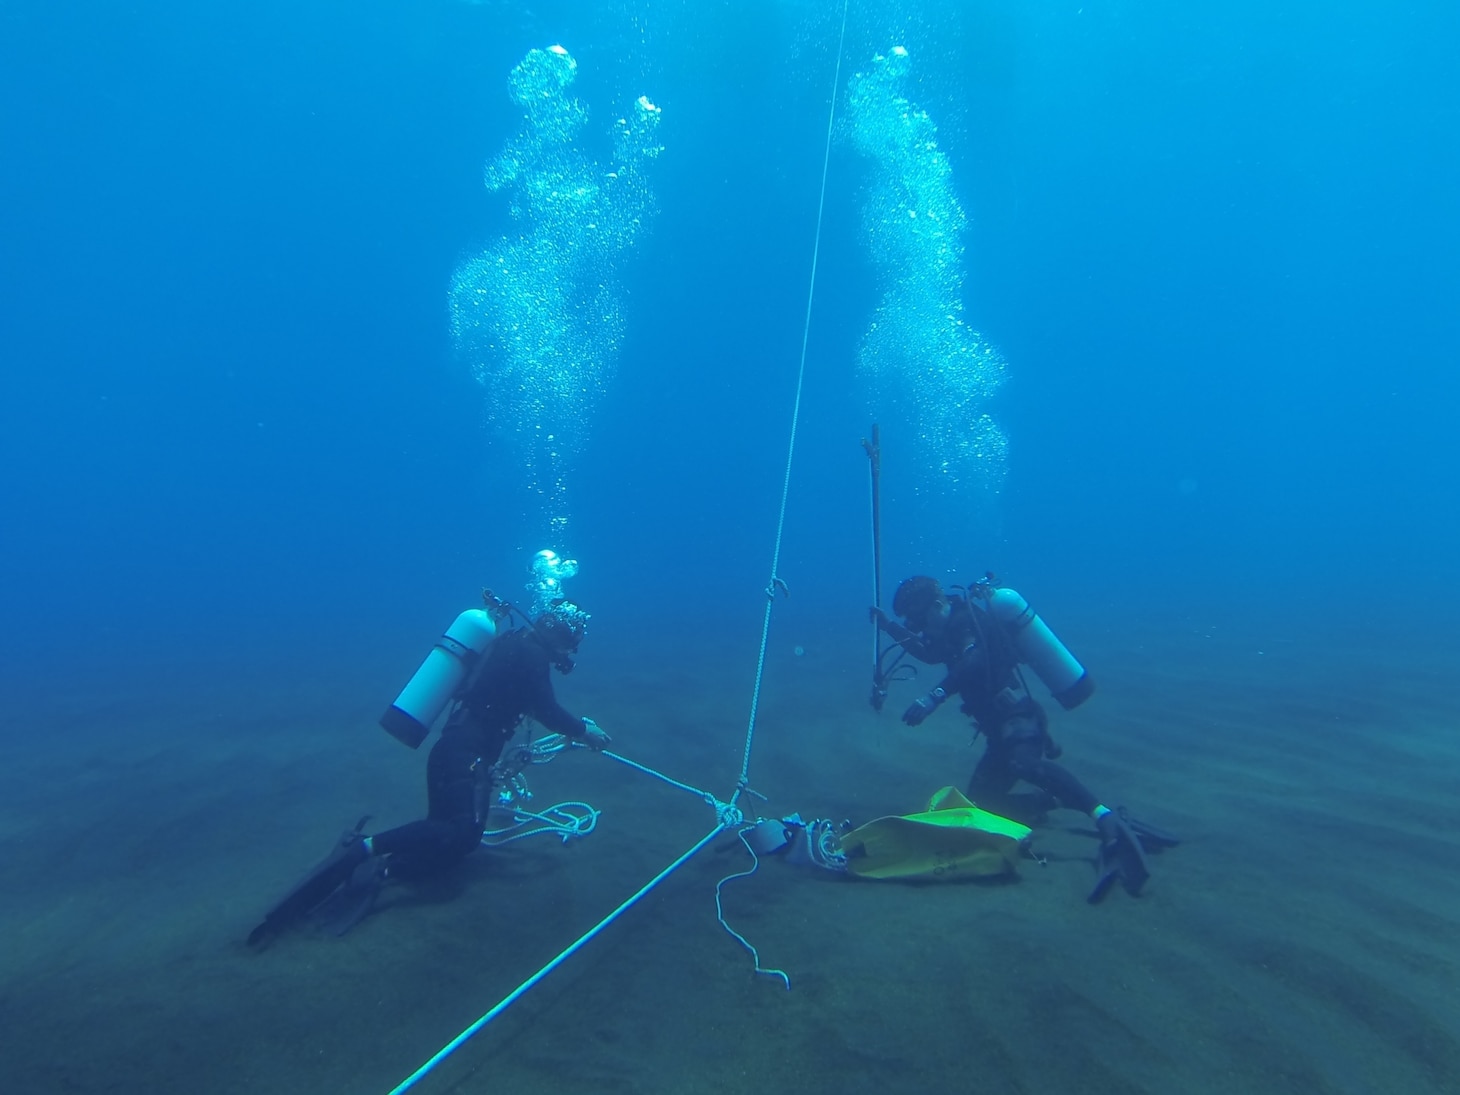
<point>594,736</point>
<point>924,707</point>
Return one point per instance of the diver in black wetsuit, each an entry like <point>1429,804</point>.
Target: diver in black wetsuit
<point>983,670</point>
<point>513,682</point>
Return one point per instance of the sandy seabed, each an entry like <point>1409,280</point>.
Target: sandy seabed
<point>1304,938</point>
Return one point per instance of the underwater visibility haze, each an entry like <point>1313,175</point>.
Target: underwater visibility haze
<point>320,319</point>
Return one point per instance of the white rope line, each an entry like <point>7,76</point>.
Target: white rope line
<point>775,579</point>
<point>720,915</point>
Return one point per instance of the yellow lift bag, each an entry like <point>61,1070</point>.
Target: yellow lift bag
<point>951,839</point>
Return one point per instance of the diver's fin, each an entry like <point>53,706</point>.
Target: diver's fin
<point>1152,839</point>
<point>324,879</point>
<point>1121,856</point>
<point>353,901</point>
<point>1107,876</point>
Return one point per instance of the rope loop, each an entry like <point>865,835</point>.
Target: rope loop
<point>566,820</point>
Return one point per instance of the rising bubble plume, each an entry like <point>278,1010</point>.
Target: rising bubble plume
<point>920,358</point>
<point>538,316</point>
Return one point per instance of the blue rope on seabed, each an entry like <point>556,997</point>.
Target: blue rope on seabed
<point>512,997</point>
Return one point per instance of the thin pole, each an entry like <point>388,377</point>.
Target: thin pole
<point>874,461</point>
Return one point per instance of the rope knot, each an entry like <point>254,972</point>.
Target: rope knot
<point>729,817</point>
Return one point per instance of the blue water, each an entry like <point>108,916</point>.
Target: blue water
<point>1217,250</point>
<point>246,474</point>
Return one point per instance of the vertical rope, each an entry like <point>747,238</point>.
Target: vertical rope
<point>775,580</point>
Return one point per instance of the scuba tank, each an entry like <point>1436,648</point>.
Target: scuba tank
<point>422,700</point>
<point>1039,648</point>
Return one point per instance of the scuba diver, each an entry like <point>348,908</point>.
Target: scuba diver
<point>510,681</point>
<point>982,637</point>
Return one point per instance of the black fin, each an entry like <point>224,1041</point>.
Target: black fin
<point>1152,839</point>
<point>353,901</point>
<point>1120,856</point>
<point>327,876</point>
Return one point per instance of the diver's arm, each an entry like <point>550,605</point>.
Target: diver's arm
<point>558,719</point>
<point>543,705</point>
<point>954,681</point>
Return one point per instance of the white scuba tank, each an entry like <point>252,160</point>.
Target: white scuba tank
<point>421,701</point>
<point>1040,649</point>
